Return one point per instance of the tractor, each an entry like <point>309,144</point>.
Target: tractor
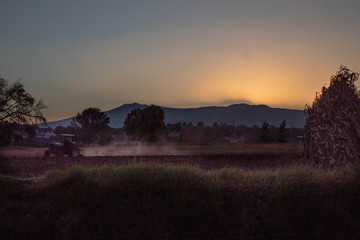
<point>64,145</point>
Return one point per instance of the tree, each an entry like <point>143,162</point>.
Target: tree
<point>16,105</point>
<point>7,133</point>
<point>132,126</point>
<point>145,124</point>
<point>264,133</point>
<point>30,131</point>
<point>67,130</point>
<point>92,123</point>
<point>332,128</point>
<point>282,134</point>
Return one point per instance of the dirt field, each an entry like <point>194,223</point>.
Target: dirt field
<point>29,162</point>
<point>165,149</point>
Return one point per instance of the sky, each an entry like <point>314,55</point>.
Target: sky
<point>80,54</point>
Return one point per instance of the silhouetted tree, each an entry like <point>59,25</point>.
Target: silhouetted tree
<point>282,134</point>
<point>153,119</point>
<point>7,133</point>
<point>145,124</point>
<point>92,123</point>
<point>174,127</point>
<point>189,133</point>
<point>133,126</point>
<point>30,131</point>
<point>264,133</point>
<point>16,105</point>
<point>68,130</point>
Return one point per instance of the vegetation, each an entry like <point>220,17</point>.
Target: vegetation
<point>223,133</point>
<point>92,125</point>
<point>264,134</point>
<point>283,132</point>
<point>145,124</point>
<point>184,133</point>
<point>7,133</point>
<point>332,130</point>
<point>166,201</point>
<point>16,105</point>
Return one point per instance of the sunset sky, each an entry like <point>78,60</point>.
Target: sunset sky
<point>79,54</point>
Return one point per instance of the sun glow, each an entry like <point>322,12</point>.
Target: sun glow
<point>256,83</point>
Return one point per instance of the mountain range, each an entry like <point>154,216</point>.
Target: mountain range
<point>245,114</point>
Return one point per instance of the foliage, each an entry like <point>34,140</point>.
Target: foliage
<point>264,133</point>
<point>217,133</point>
<point>200,124</point>
<point>62,129</point>
<point>30,131</point>
<point>145,124</point>
<point>15,134</point>
<point>7,136</point>
<point>332,130</point>
<point>133,125</point>
<point>283,133</point>
<point>16,105</point>
<point>92,123</point>
<point>167,201</point>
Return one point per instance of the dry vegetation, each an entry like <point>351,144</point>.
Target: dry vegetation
<point>332,130</point>
<point>259,191</point>
<point>166,201</point>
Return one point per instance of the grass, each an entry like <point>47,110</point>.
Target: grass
<point>167,201</point>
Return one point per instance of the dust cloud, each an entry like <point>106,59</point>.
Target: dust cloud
<point>132,150</point>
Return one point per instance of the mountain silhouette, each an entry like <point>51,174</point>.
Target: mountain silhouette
<point>245,114</point>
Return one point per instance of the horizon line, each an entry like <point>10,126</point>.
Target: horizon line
<point>190,107</point>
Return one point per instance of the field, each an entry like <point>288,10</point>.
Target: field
<point>230,191</point>
<point>29,162</point>
<point>167,149</point>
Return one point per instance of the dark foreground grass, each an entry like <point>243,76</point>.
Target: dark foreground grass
<point>164,201</point>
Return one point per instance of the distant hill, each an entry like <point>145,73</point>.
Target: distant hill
<point>237,114</point>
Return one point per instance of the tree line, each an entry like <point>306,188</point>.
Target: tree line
<point>19,111</point>
<point>146,125</point>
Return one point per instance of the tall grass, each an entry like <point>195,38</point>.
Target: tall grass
<point>165,201</point>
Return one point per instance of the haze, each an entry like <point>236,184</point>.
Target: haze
<point>79,54</point>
